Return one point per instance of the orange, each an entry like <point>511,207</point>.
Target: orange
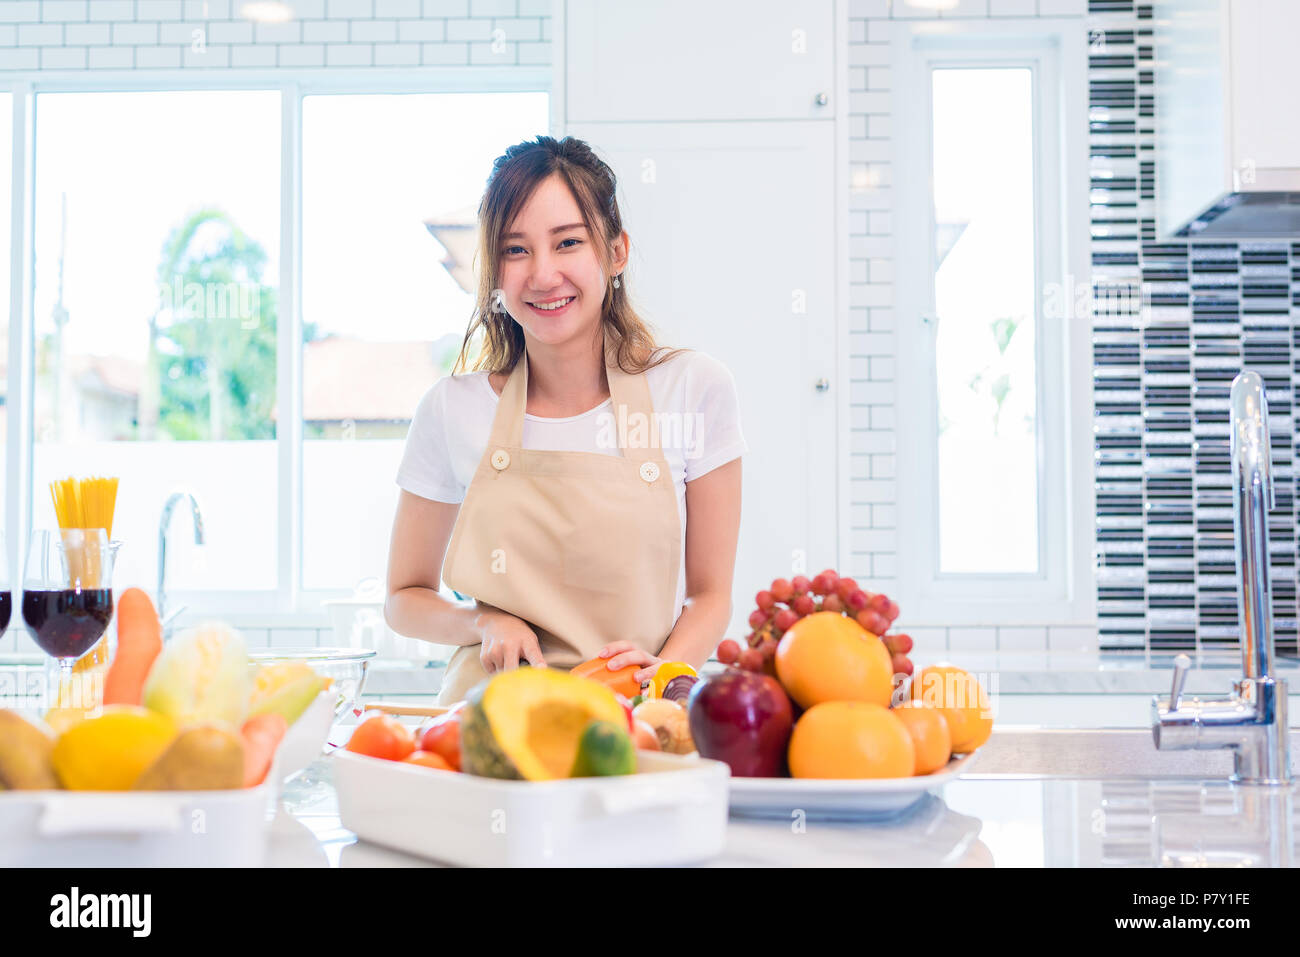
<point>827,657</point>
<point>851,739</point>
<point>930,734</point>
<point>961,700</point>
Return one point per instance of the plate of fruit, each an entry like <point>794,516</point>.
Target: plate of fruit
<point>818,711</point>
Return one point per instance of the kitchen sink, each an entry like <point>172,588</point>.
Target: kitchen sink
<point>1092,753</point>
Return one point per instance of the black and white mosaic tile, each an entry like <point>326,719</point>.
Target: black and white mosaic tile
<point>1172,324</point>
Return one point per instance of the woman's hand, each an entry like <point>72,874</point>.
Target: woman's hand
<point>624,653</point>
<point>506,641</point>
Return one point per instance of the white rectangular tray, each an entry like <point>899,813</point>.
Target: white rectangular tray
<point>838,799</point>
<point>138,828</point>
<point>672,811</point>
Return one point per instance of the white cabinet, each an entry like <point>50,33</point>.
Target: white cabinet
<point>1264,77</point>
<point>733,252</point>
<point>1225,79</point>
<point>680,60</point>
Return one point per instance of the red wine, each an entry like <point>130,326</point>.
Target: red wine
<point>67,623</point>
<point>6,609</point>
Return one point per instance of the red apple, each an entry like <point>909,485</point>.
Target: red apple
<point>744,719</point>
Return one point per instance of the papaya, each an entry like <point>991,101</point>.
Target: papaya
<point>526,724</point>
<point>604,749</point>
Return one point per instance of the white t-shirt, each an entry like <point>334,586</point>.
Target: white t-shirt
<point>695,402</point>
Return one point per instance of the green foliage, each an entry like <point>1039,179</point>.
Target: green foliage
<point>213,342</point>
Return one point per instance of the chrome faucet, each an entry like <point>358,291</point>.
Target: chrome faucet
<point>1253,720</point>
<point>163,523</point>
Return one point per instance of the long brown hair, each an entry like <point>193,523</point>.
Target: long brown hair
<point>516,173</point>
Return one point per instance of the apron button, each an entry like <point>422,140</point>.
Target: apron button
<point>500,459</point>
<point>649,471</point>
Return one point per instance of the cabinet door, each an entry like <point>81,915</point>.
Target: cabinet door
<point>686,60</point>
<point>732,234</point>
<point>1265,75</point>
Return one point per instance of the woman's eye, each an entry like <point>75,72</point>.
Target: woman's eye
<point>570,240</point>
<point>511,250</point>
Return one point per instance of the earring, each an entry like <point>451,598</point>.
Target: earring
<point>617,284</point>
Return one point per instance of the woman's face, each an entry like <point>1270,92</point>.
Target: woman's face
<point>548,258</point>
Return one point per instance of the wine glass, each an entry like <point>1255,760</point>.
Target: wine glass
<point>6,596</point>
<point>67,593</point>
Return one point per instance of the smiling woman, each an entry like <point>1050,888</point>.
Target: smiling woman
<point>576,540</point>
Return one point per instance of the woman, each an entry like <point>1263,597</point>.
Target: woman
<point>582,485</point>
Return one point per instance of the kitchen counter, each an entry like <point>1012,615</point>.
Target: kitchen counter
<point>976,821</point>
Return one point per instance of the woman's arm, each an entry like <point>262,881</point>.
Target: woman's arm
<point>421,531</point>
<point>712,530</point>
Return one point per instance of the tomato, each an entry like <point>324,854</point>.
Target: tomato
<point>442,737</point>
<point>382,736</point>
<point>428,759</point>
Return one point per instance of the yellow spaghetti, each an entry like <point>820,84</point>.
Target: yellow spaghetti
<point>85,503</point>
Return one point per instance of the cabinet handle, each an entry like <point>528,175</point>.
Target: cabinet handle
<point>821,99</point>
<point>822,385</point>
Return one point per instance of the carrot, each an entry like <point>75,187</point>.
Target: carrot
<point>261,734</point>
<point>139,642</point>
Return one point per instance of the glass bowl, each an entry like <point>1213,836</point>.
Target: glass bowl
<point>347,666</point>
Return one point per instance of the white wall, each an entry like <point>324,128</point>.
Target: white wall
<point>39,37</point>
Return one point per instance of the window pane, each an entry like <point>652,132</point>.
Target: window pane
<point>985,301</point>
<point>391,186</point>
<point>6,172</point>
<point>157,265</point>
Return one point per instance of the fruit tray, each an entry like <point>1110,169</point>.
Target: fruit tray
<point>138,828</point>
<point>838,799</point>
<point>672,811</point>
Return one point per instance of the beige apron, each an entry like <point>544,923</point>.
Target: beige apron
<point>585,547</point>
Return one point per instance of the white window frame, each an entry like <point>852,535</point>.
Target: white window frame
<point>288,602</point>
<point>1062,590</point>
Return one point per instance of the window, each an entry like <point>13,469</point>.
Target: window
<point>389,237</point>
<point>991,527</point>
<point>244,293</point>
<point>157,234</point>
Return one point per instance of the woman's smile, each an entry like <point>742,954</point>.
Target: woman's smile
<point>552,307</point>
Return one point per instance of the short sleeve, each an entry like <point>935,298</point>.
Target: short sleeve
<point>426,468</point>
<point>711,391</point>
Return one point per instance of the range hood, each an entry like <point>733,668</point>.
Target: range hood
<point>1227,143</point>
<point>1246,215</point>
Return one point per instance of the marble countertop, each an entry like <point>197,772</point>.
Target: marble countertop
<point>1006,672</point>
<point>975,821</point>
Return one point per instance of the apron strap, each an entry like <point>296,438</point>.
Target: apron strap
<point>633,410</point>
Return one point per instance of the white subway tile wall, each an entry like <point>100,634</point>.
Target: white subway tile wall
<point>59,35</point>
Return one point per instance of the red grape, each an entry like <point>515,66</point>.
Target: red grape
<point>764,600</point>
<point>757,619</point>
<point>872,622</point>
<point>728,652</point>
<point>879,603</point>
<point>823,584</point>
<point>857,601</point>
<point>803,605</point>
<point>768,648</point>
<point>892,613</point>
<point>800,584</point>
<point>902,664</point>
<point>845,587</point>
<point>785,619</point>
<point>902,643</point>
<point>782,590</point>
<point>751,659</point>
<point>832,603</point>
